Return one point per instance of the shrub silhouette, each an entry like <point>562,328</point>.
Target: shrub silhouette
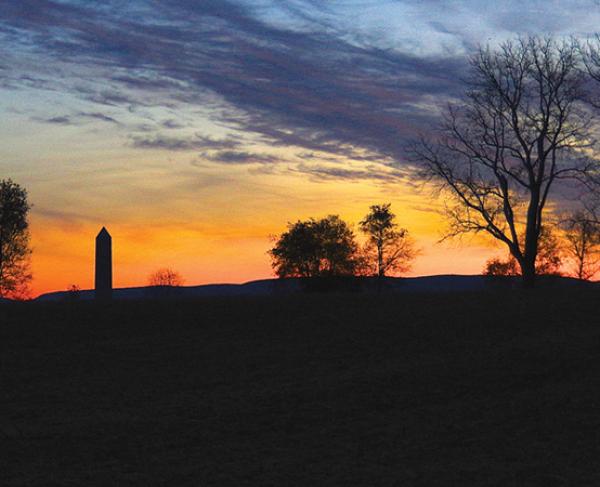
<point>548,260</point>
<point>165,277</point>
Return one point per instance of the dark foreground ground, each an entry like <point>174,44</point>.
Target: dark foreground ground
<point>464,389</point>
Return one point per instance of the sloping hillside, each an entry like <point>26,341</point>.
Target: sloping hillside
<point>272,287</point>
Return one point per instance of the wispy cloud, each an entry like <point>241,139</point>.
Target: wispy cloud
<point>62,120</point>
<point>76,118</point>
<point>98,116</point>
<point>181,143</point>
<point>240,157</point>
<point>172,124</point>
<point>326,173</point>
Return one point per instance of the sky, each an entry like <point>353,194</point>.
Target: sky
<point>196,130</point>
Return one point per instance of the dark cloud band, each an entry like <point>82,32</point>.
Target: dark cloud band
<point>290,87</point>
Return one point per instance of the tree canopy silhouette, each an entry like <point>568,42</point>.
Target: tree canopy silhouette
<point>389,248</point>
<point>316,248</point>
<point>522,128</point>
<point>14,240</point>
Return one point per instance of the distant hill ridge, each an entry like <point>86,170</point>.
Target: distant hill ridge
<point>267,287</point>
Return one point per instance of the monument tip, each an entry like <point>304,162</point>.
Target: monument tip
<point>103,232</point>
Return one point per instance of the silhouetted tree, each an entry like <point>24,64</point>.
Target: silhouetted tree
<point>498,267</point>
<point>165,277</point>
<point>548,259</point>
<point>521,129</point>
<point>316,248</point>
<point>582,235</point>
<point>14,240</point>
<point>388,247</point>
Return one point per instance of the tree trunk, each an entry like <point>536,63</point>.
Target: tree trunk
<point>531,240</point>
<point>528,273</point>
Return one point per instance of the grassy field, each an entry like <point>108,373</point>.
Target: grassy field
<point>424,390</point>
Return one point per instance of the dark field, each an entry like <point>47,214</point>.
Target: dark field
<point>469,389</point>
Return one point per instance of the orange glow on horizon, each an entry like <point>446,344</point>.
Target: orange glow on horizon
<point>209,225</point>
<point>64,256</point>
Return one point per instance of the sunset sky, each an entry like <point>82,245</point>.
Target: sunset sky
<point>194,130</point>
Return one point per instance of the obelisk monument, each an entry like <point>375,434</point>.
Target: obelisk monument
<point>103,281</point>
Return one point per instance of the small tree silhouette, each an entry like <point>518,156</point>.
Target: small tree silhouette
<point>165,277</point>
<point>389,248</point>
<point>582,236</point>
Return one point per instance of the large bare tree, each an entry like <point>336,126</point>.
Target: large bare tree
<point>522,127</point>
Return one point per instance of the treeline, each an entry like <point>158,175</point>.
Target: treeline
<point>328,247</point>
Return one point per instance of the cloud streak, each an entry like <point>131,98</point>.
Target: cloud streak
<point>190,143</point>
<point>240,157</point>
<point>371,173</point>
<point>76,119</point>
